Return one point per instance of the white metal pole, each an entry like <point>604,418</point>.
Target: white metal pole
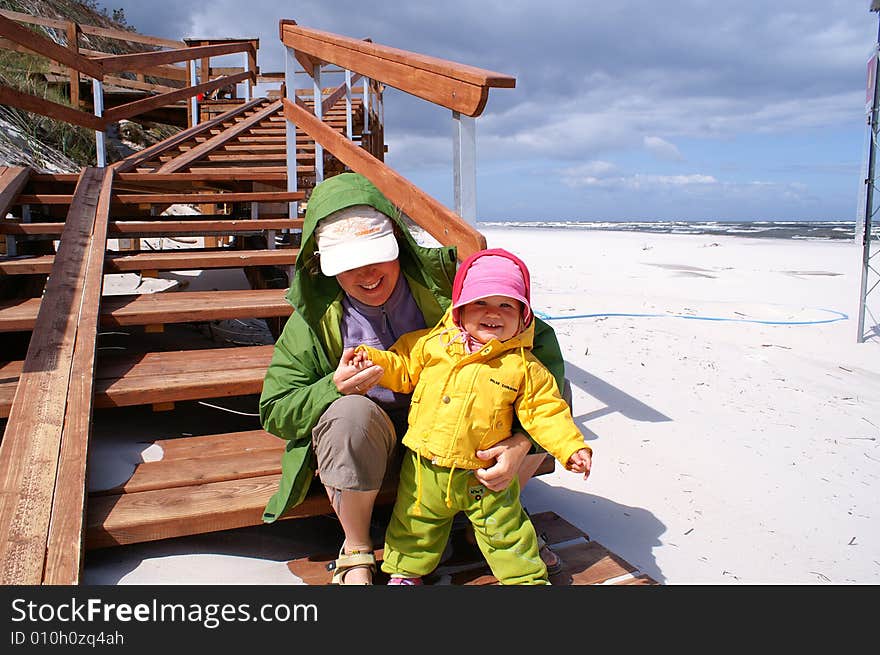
<point>366,105</point>
<point>869,194</point>
<point>318,96</point>
<point>290,128</point>
<point>194,101</point>
<point>100,135</point>
<point>464,166</point>
<point>348,127</point>
<point>248,92</point>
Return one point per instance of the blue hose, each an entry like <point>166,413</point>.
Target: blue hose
<point>840,316</point>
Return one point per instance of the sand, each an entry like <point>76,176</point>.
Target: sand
<point>734,418</point>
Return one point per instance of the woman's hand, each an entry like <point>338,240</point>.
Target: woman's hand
<point>351,377</point>
<point>508,456</point>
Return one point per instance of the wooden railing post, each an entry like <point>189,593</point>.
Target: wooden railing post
<point>73,32</point>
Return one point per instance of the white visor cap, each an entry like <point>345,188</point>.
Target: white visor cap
<point>354,237</point>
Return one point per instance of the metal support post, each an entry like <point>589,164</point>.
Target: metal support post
<point>319,113</point>
<point>290,138</point>
<point>248,91</point>
<point>194,101</point>
<point>464,165</point>
<point>367,104</point>
<point>100,135</point>
<point>874,93</point>
<point>348,128</point>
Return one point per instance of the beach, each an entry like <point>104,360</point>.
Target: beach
<point>734,418</point>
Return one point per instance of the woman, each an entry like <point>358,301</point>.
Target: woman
<point>361,278</point>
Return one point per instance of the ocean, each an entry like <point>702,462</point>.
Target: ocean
<point>812,230</point>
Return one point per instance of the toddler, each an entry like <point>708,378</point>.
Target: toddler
<point>468,376</point>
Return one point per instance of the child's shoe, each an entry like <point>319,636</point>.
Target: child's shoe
<point>395,580</point>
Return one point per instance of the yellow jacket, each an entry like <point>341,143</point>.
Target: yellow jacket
<point>463,402</point>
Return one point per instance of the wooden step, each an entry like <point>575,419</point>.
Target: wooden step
<point>202,484</point>
<point>164,377</point>
<point>170,198</point>
<point>190,461</point>
<point>160,308</point>
<point>191,225</point>
<point>161,260</point>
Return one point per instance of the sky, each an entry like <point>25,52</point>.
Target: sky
<point>622,110</point>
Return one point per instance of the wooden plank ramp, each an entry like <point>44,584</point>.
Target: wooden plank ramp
<point>43,451</point>
<point>586,562</point>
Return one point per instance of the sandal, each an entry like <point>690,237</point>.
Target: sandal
<point>348,561</point>
<point>554,565</point>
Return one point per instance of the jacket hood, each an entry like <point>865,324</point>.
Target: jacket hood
<point>461,274</point>
<point>525,338</point>
<point>311,293</point>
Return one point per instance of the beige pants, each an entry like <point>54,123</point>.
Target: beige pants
<point>355,443</point>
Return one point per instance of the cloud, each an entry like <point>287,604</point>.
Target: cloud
<point>662,149</point>
<point>603,81</point>
<point>595,176</point>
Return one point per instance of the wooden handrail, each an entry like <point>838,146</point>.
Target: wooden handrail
<point>439,221</point>
<point>185,159</point>
<point>337,94</point>
<point>120,35</point>
<point>132,161</point>
<point>43,107</point>
<point>137,61</point>
<point>458,87</point>
<point>48,48</point>
<point>153,102</point>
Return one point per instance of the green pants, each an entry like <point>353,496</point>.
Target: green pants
<point>419,528</point>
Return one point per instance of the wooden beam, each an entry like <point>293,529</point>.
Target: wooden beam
<point>133,161</point>
<point>456,86</point>
<point>155,308</point>
<point>66,540</point>
<point>139,60</point>
<point>184,160</point>
<point>336,95</point>
<point>171,198</point>
<point>12,181</point>
<point>73,44</point>
<point>9,96</point>
<point>121,35</point>
<point>439,221</point>
<point>30,448</point>
<point>48,48</point>
<point>147,104</point>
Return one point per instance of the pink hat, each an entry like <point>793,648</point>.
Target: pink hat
<point>492,272</point>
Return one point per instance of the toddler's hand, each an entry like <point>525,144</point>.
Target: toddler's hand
<point>581,462</point>
<point>361,361</point>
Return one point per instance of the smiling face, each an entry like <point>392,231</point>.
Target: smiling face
<point>495,317</point>
<point>371,284</point>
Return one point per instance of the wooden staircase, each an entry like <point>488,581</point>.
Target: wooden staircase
<point>232,167</point>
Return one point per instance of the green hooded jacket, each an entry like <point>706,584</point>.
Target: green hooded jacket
<point>299,386</point>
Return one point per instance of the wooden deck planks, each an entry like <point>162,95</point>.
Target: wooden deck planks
<point>162,260</point>
<point>159,377</point>
<point>184,160</point>
<point>586,562</point>
<point>155,308</point>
